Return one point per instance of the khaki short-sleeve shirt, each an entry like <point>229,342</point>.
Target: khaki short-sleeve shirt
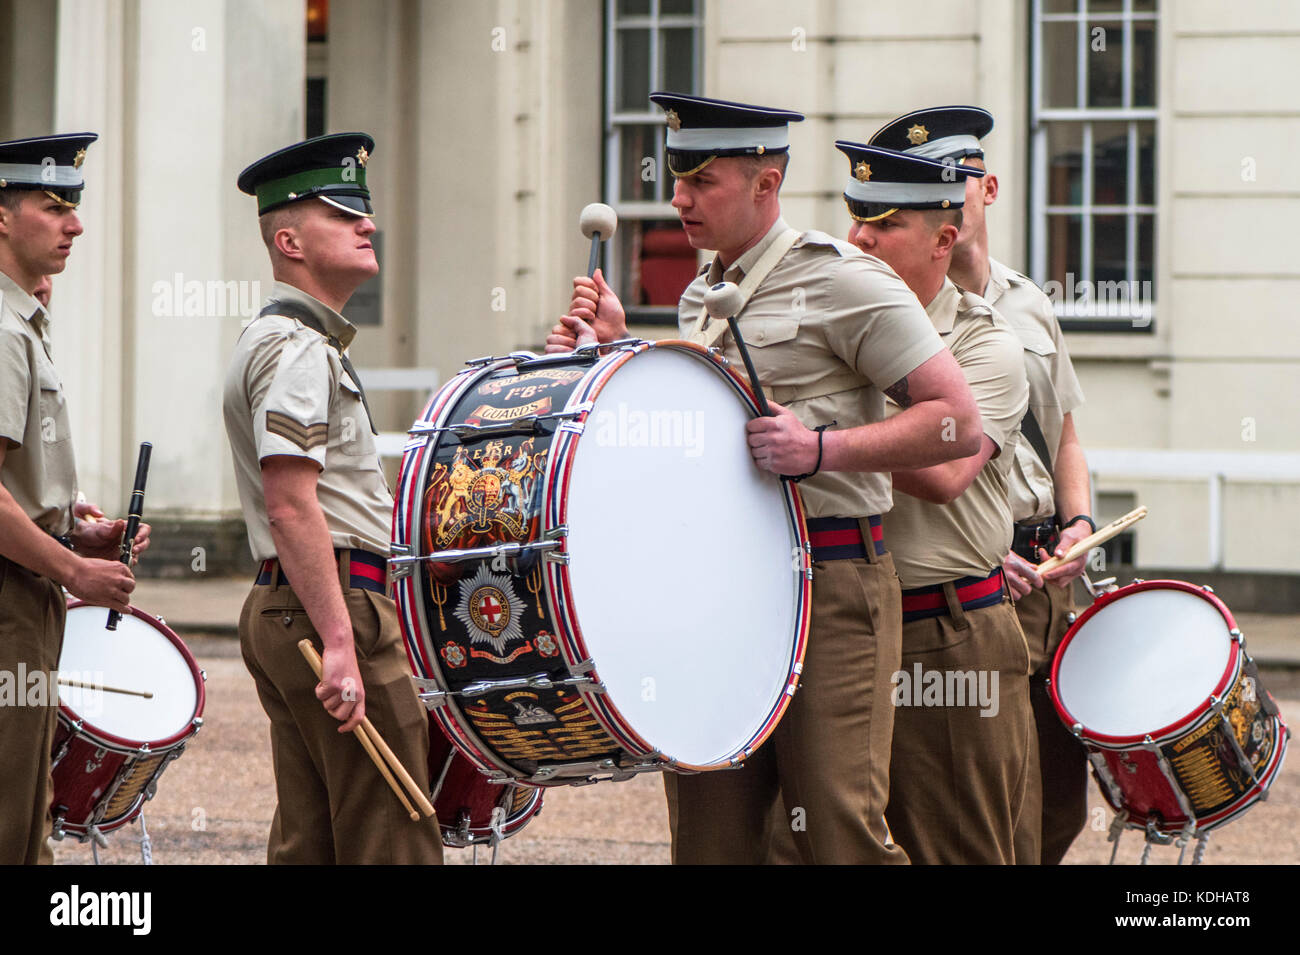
<point>286,393</point>
<point>39,469</point>
<point>932,543</point>
<point>828,330</point>
<point>1054,389</point>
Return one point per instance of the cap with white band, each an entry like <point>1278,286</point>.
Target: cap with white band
<point>882,181</point>
<point>701,129</point>
<point>940,132</point>
<point>51,164</point>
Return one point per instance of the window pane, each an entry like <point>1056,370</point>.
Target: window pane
<point>636,144</point>
<point>1105,64</point>
<point>1110,164</point>
<point>633,8</point>
<point>1108,6</point>
<point>1064,243</point>
<point>1146,136</point>
<point>668,263</point>
<point>676,48</point>
<point>1109,249</point>
<point>1064,164</point>
<point>1060,56</point>
<point>633,69</point>
<point>1144,63</point>
<point>1060,6</point>
<point>1144,6</point>
<point>672,8</point>
<point>1146,256</point>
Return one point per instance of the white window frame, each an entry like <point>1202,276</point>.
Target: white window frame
<point>1092,315</point>
<point>616,120</point>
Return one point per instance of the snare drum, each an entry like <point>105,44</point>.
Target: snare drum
<point>1154,680</point>
<point>110,748</point>
<point>593,577</point>
<point>471,809</point>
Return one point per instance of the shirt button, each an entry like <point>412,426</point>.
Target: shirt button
<point>759,336</point>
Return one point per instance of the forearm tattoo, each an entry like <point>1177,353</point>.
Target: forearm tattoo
<point>897,392</point>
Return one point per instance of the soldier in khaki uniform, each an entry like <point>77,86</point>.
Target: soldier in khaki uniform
<point>1049,491</point>
<point>44,545</point>
<point>961,741</point>
<point>319,512</point>
<point>830,332</point>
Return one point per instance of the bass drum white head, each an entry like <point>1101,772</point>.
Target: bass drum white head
<point>683,559</point>
<point>1143,661</point>
<point>138,655</point>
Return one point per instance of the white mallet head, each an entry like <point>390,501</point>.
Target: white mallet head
<point>598,220</point>
<point>723,301</point>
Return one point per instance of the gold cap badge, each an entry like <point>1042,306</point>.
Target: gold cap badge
<point>917,135</point>
<point>674,121</point>
<point>362,157</point>
<point>862,172</point>
<point>78,159</point>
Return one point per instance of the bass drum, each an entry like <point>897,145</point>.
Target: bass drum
<point>593,577</point>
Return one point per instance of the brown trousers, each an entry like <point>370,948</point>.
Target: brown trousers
<point>828,758</point>
<point>32,614</point>
<point>1056,797</point>
<point>957,777</point>
<point>333,806</point>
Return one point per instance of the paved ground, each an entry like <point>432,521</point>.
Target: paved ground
<point>214,804</point>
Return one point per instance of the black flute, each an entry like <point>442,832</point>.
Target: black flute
<point>134,509</point>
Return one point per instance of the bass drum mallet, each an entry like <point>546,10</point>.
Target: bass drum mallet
<point>598,222</point>
<point>722,302</point>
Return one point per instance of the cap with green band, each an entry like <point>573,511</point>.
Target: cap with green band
<point>331,168</point>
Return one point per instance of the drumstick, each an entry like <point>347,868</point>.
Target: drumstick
<point>723,301</point>
<point>370,739</point>
<point>107,689</point>
<point>597,222</point>
<point>1092,540</point>
<point>133,511</point>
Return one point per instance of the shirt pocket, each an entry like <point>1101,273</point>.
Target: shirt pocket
<point>765,332</point>
<point>353,441</point>
<point>52,406</point>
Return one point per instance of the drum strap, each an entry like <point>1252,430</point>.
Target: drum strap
<point>289,310</point>
<point>705,332</point>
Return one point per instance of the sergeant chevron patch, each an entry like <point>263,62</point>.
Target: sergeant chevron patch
<point>304,436</point>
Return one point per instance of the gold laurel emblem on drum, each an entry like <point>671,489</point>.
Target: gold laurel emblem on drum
<point>918,134</point>
<point>862,172</point>
<point>674,121</point>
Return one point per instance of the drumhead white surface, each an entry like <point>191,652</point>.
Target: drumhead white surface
<point>1144,661</point>
<point>135,656</point>
<point>681,565</point>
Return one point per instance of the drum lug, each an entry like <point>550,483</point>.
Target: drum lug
<point>721,359</point>
<point>398,571</point>
<point>557,557</point>
<point>57,833</point>
<point>429,693</point>
<point>1236,636</point>
<point>1207,588</point>
<point>556,532</point>
<point>1071,617</point>
<point>481,362</point>
<point>197,722</point>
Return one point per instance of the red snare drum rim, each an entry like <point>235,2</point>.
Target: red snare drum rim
<point>1175,728</point>
<point>121,743</point>
<point>560,597</point>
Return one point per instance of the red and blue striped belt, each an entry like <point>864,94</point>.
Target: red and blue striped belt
<point>840,538</point>
<point>921,603</point>
<point>366,570</point>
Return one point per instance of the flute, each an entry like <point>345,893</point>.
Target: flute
<point>134,510</point>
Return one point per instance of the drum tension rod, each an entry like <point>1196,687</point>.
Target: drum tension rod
<point>400,565</point>
<point>527,424</point>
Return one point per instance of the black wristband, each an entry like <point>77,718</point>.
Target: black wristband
<point>1081,517</point>
<point>821,430</point>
